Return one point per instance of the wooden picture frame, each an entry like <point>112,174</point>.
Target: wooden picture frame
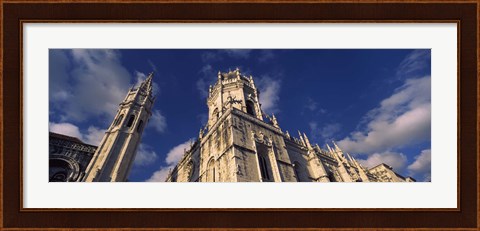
<point>14,13</point>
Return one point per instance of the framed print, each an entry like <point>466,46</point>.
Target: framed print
<point>171,115</point>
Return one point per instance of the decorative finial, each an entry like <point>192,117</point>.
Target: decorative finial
<point>274,121</point>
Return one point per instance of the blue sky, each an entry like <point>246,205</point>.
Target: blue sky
<point>376,104</point>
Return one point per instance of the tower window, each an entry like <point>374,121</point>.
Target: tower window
<point>130,120</point>
<point>211,171</point>
<point>263,167</point>
<point>139,127</point>
<point>119,119</point>
<point>298,170</point>
<point>264,164</point>
<point>250,108</point>
<point>216,114</point>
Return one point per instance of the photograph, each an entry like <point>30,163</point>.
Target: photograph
<point>239,115</point>
<point>261,115</point>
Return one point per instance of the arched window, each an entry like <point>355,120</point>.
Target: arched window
<point>211,171</point>
<point>250,108</point>
<point>296,167</point>
<point>215,114</point>
<point>263,167</point>
<point>331,177</point>
<point>130,120</point>
<point>119,119</point>
<point>139,127</point>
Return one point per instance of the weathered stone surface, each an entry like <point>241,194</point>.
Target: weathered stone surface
<point>115,154</point>
<point>238,145</point>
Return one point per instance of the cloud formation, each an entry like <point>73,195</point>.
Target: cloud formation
<point>421,166</point>
<point>401,120</point>
<point>145,156</point>
<point>93,88</point>
<point>157,121</point>
<point>396,160</point>
<point>96,74</point>
<point>269,90</point>
<point>325,132</point>
<point>173,156</point>
<point>92,136</point>
<point>414,64</point>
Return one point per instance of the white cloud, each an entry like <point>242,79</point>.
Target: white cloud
<point>396,160</point>
<point>415,62</point>
<point>403,119</point>
<point>269,90</point>
<point>65,129</point>
<point>325,132</point>
<point>145,156</point>
<point>173,156</point>
<point>176,153</point>
<point>158,121</point>
<point>160,175</point>
<point>140,77</point>
<point>92,136</point>
<point>94,87</point>
<point>422,165</point>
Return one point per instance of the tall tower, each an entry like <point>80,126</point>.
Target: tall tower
<point>115,154</point>
<point>240,146</point>
<point>233,90</point>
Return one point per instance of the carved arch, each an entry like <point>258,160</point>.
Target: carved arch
<point>63,168</point>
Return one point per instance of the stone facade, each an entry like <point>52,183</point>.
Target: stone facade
<point>68,158</point>
<point>238,145</point>
<point>115,154</point>
<point>385,173</point>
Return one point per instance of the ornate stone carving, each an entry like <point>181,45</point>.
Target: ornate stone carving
<point>261,138</point>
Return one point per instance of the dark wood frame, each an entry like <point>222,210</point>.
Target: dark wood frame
<point>15,13</point>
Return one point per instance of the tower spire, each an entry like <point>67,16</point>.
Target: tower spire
<point>301,138</point>
<point>307,142</point>
<point>287,134</point>
<point>336,146</point>
<point>360,170</point>
<point>115,155</point>
<point>274,121</point>
<point>330,149</point>
<point>147,84</point>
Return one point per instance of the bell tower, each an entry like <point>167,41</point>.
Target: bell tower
<point>233,89</point>
<point>115,154</point>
